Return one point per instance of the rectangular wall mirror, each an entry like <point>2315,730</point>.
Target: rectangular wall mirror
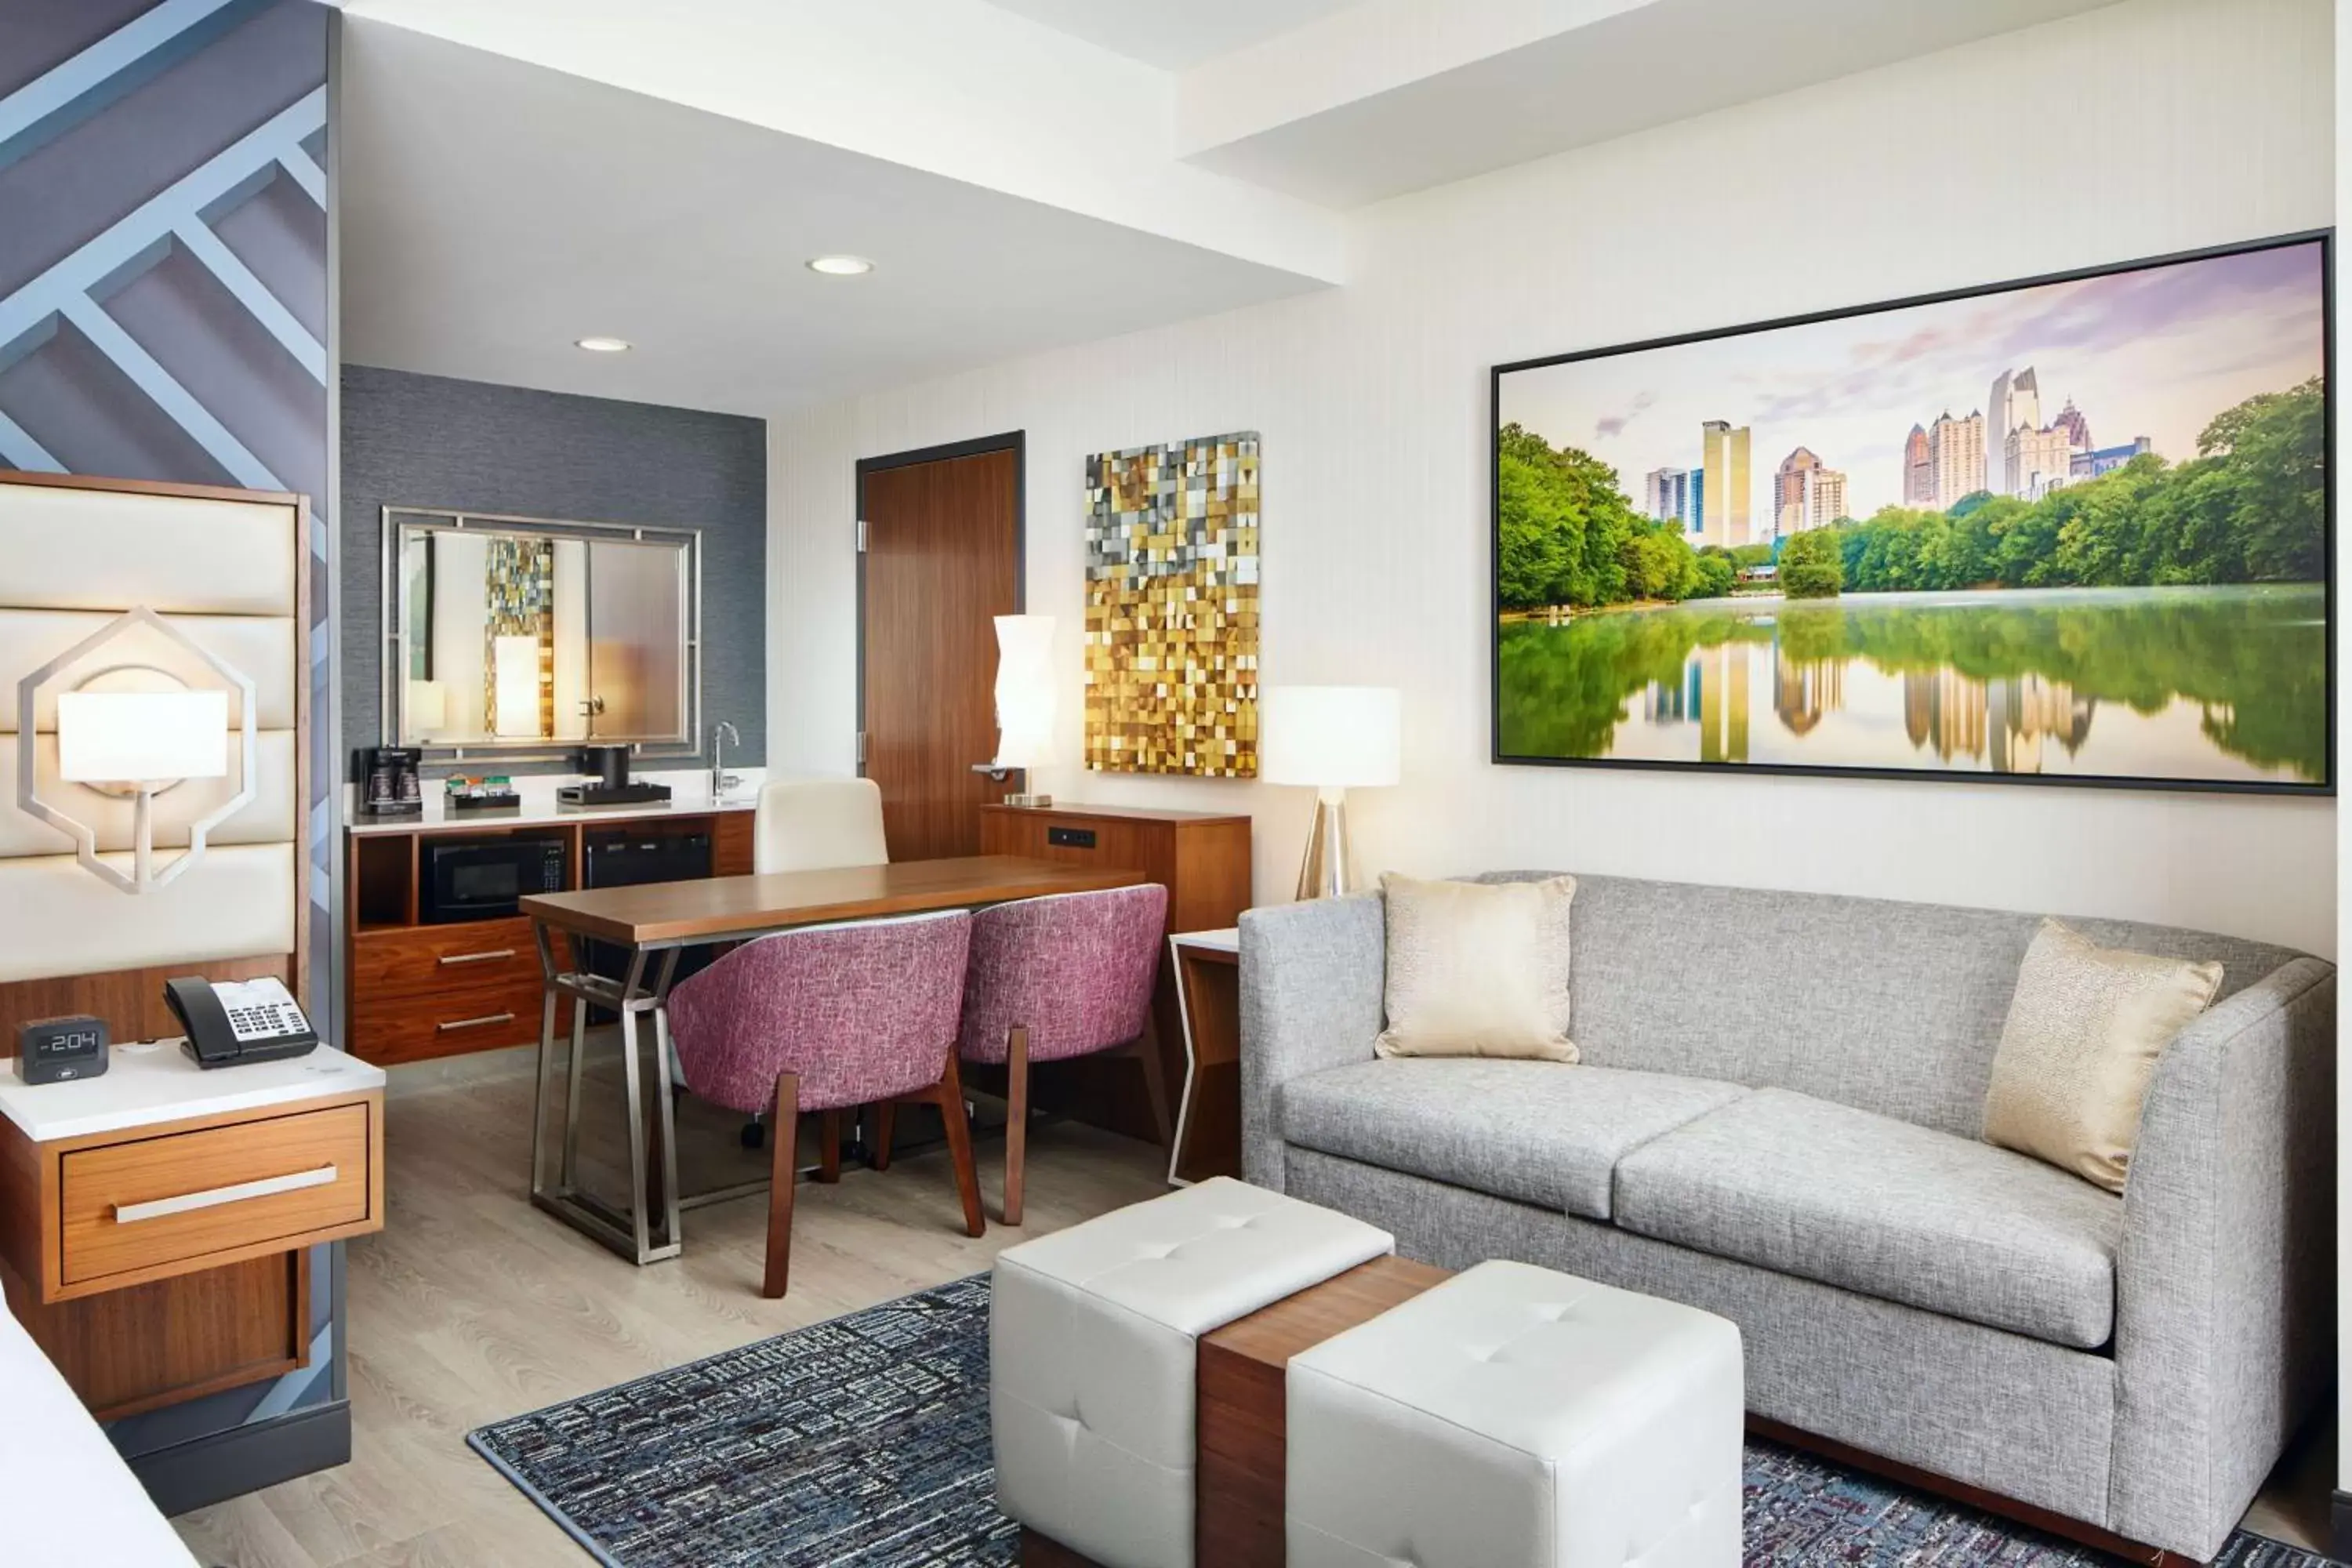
<point>517,637</point>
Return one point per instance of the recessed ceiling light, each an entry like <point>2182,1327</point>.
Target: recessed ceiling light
<point>604,345</point>
<point>840,266</point>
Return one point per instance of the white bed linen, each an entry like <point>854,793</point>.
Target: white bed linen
<point>66,1500</point>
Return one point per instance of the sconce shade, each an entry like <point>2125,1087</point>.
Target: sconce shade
<point>1024,691</point>
<point>514,678</point>
<point>429,705</point>
<point>142,737</point>
<point>1329,737</point>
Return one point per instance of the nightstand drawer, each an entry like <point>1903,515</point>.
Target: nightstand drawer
<point>185,1198</point>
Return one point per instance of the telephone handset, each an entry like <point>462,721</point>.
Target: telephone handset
<point>231,1022</point>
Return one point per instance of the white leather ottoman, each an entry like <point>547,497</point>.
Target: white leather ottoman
<point>1091,1350</point>
<point>1513,1417</point>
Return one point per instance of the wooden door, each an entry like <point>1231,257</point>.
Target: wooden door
<point>942,559</point>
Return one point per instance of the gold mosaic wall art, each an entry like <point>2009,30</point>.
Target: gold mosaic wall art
<point>1171,608</point>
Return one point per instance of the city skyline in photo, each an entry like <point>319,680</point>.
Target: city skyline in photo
<point>2151,354</point>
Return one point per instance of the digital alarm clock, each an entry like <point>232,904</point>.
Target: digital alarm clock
<point>54,1050</point>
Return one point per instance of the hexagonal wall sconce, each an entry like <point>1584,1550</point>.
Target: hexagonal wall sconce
<point>135,730</point>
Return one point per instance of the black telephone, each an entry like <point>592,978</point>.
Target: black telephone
<point>231,1022</point>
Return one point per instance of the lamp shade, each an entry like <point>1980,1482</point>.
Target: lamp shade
<point>1024,691</point>
<point>514,683</point>
<point>142,737</point>
<point>1331,737</point>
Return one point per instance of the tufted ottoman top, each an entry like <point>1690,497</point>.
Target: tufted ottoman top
<point>1204,1255</point>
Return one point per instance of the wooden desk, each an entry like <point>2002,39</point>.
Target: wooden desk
<point>651,923</point>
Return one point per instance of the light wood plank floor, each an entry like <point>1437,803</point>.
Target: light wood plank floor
<point>471,1306</point>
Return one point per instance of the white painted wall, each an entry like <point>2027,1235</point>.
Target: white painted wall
<point>2178,122</point>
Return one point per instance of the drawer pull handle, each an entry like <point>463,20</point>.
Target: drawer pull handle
<point>484,1022</point>
<point>476,957</point>
<point>187,1202</point>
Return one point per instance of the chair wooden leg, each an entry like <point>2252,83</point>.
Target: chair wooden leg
<point>1016,1119</point>
<point>828,1159</point>
<point>1145,1051</point>
<point>885,1118</point>
<point>784,1136</point>
<point>967,1173</point>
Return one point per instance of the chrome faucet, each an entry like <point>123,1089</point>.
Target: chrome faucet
<point>721,781</point>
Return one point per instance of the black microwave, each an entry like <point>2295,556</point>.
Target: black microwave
<point>482,879</point>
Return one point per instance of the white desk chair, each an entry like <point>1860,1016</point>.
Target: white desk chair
<point>816,824</point>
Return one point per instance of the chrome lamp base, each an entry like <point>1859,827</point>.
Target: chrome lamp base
<point>1329,869</point>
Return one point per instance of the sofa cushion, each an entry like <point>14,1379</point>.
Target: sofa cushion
<point>1542,1133</point>
<point>1827,1192</point>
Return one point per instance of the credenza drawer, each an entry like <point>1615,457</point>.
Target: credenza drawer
<point>185,1198</point>
<point>389,1028</point>
<point>420,961</point>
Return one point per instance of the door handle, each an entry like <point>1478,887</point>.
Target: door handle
<point>186,1203</point>
<point>485,1021</point>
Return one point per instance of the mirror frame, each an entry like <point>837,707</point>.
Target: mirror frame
<point>402,524</point>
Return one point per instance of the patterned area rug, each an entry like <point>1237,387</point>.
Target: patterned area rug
<point>863,1443</point>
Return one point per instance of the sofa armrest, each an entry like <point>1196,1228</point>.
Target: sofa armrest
<point>1313,977</point>
<point>2224,1287</point>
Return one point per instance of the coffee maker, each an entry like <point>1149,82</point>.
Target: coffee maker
<point>390,785</point>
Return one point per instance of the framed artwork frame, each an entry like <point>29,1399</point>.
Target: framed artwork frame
<point>2134,590</point>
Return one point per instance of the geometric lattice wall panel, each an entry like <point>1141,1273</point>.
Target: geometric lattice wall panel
<point>269,817</point>
<point>1172,608</point>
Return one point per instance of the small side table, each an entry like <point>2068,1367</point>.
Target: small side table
<point>1208,995</point>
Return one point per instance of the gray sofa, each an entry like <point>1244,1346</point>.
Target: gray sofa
<point>1776,1120</point>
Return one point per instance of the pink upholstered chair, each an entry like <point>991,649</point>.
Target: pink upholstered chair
<point>824,1020</point>
<point>1058,977</point>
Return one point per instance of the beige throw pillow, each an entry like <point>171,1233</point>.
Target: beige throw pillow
<point>1477,969</point>
<point>2080,1046</point>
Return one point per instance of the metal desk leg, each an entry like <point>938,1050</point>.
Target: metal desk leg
<point>640,1204</point>
<point>574,1066</point>
<point>665,1103</point>
<point>546,1060</point>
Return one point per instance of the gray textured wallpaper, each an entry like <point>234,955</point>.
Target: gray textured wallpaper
<point>428,441</point>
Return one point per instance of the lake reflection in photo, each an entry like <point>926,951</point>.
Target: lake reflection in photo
<point>2196,684</point>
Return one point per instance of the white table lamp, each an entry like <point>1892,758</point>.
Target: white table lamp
<point>141,743</point>
<point>1025,702</point>
<point>514,686</point>
<point>1332,739</point>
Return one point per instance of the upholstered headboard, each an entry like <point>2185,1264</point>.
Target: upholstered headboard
<point>225,569</point>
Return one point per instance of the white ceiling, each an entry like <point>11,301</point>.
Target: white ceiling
<point>1173,34</point>
<point>1378,100</point>
<point>493,211</point>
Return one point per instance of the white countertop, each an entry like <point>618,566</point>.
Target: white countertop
<point>152,1081</point>
<point>690,796</point>
<point>1226,941</point>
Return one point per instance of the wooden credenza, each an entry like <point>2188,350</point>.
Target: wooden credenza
<point>419,990</point>
<point>1202,857</point>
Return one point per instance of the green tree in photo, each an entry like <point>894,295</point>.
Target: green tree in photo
<point>1569,535</point>
<point>1812,565</point>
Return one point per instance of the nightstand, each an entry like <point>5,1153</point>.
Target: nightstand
<point>1209,1117</point>
<point>155,1221</point>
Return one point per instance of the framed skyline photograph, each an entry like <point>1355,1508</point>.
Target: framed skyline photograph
<point>2073,530</point>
